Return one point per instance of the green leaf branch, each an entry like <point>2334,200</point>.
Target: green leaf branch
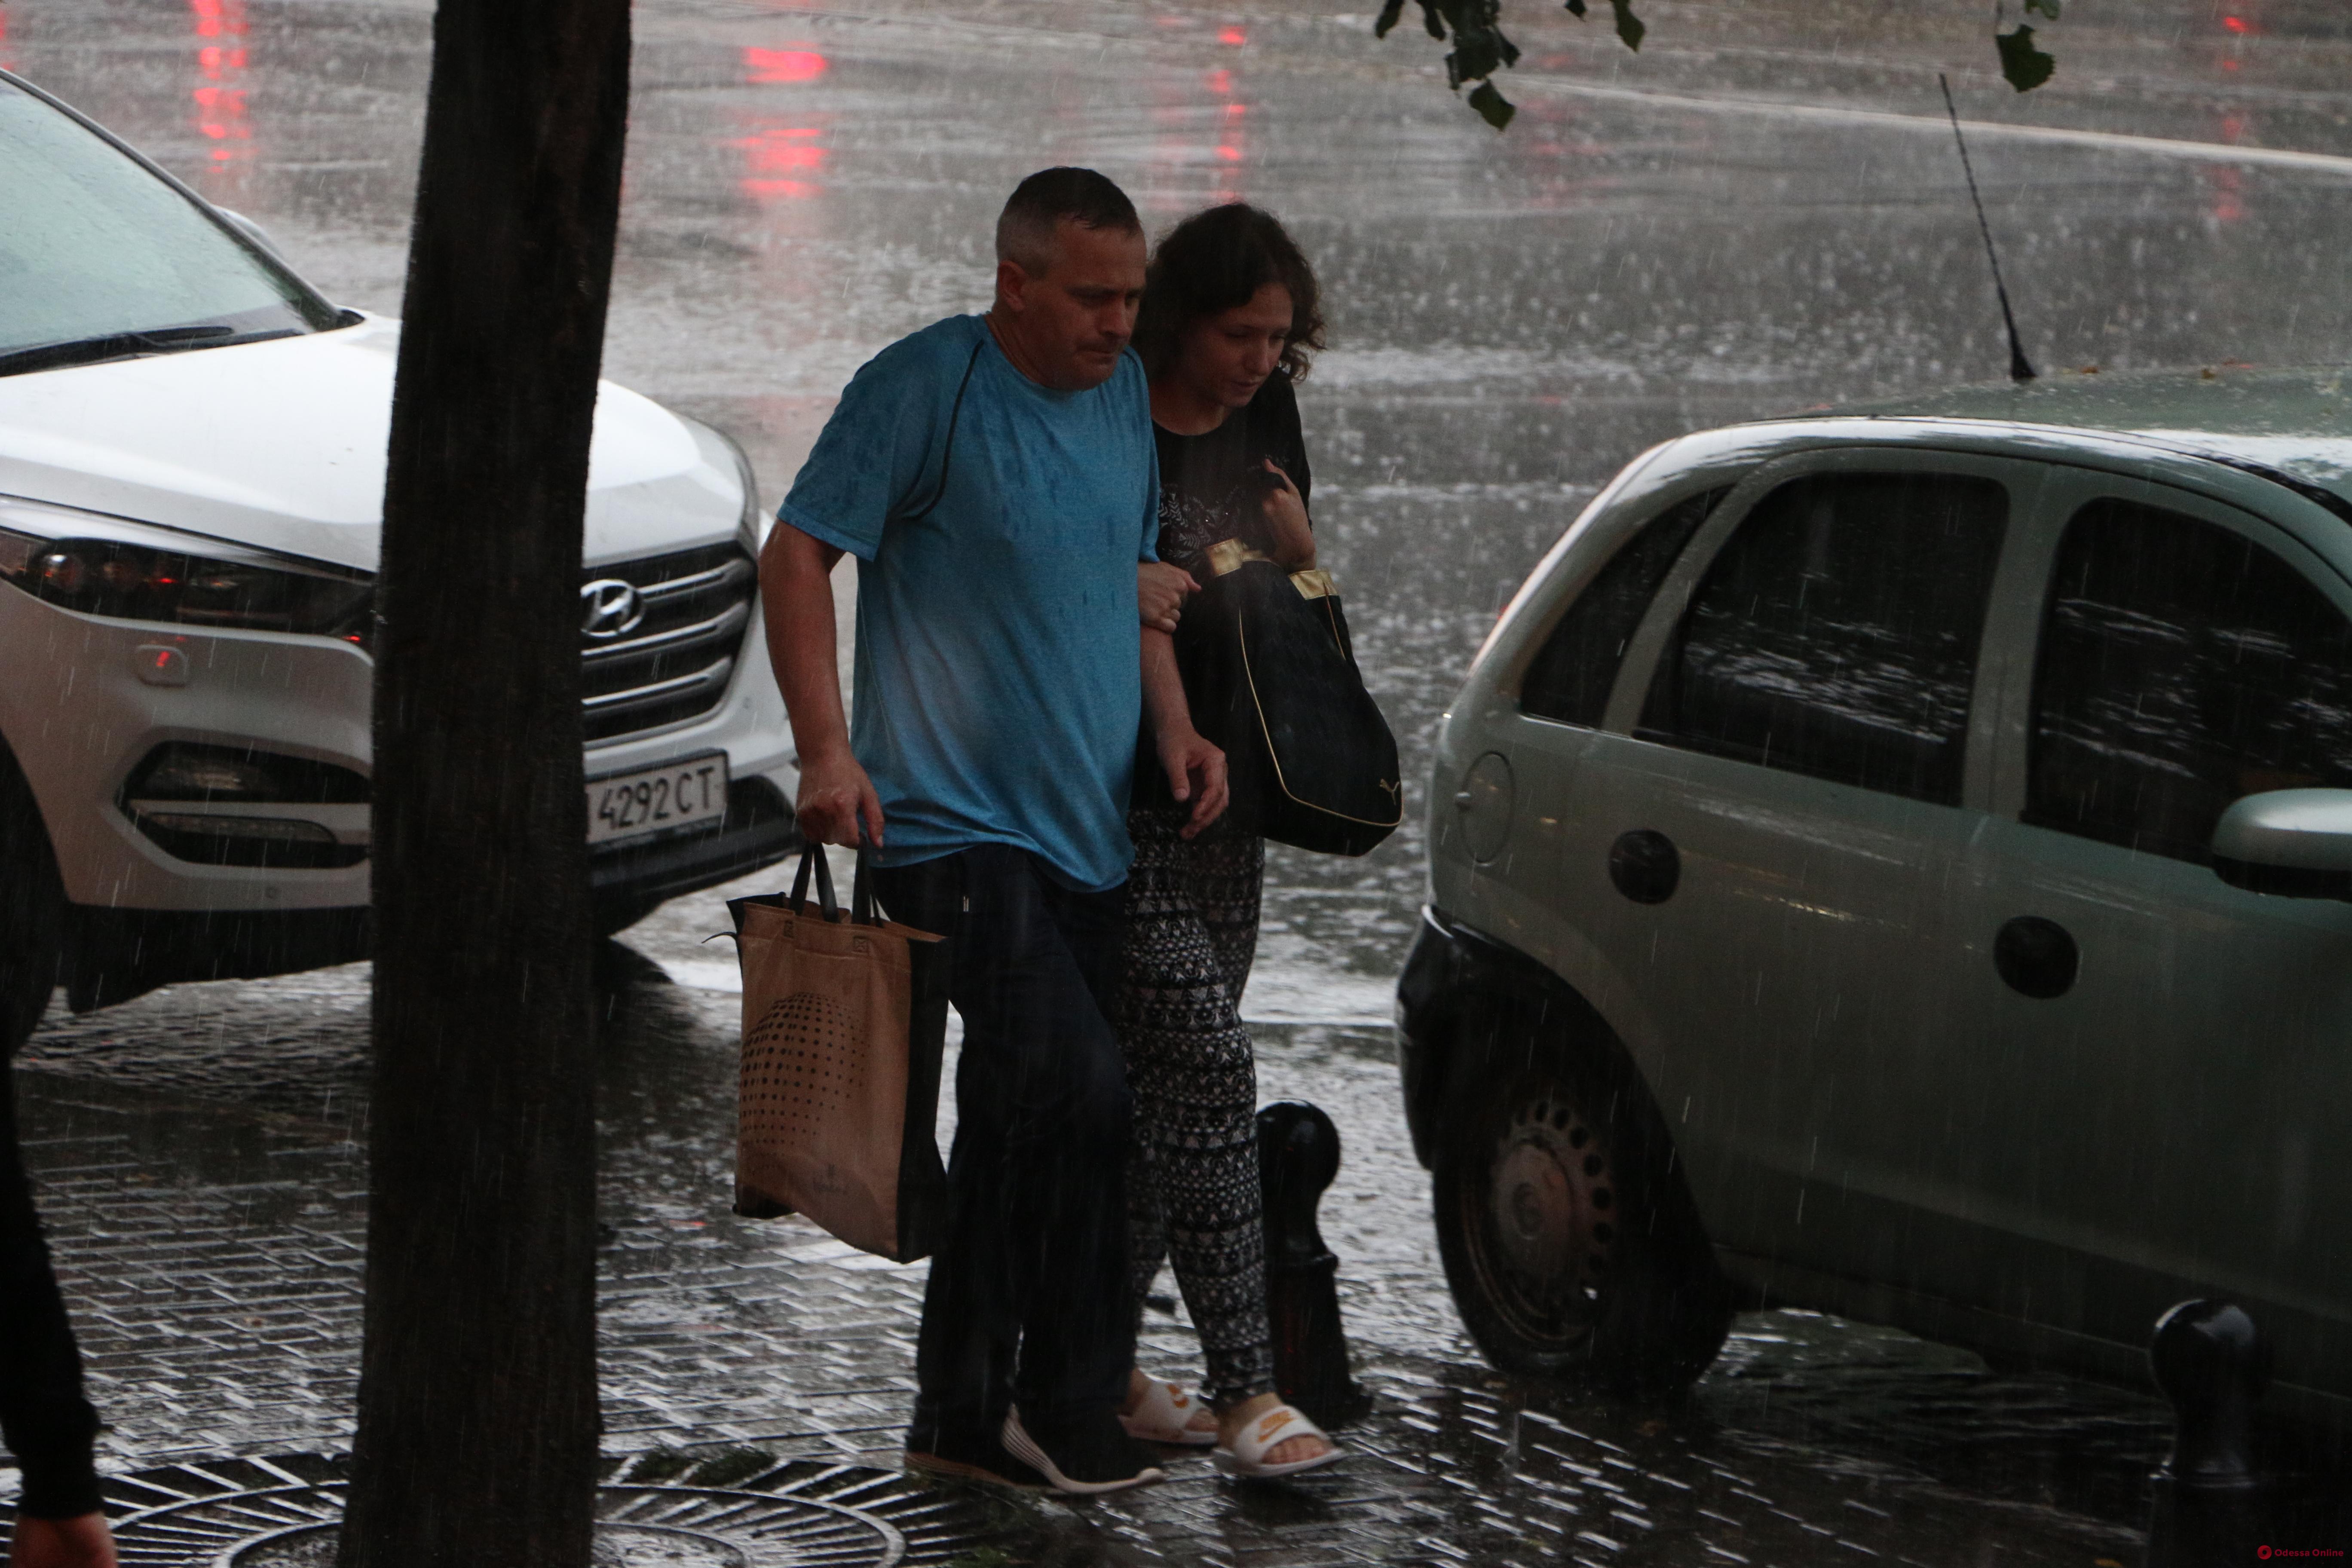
<point>1481,47</point>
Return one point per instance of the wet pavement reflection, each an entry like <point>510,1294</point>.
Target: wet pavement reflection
<point>207,1203</point>
<point>1663,241</point>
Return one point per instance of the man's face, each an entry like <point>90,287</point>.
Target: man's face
<point>1076,317</point>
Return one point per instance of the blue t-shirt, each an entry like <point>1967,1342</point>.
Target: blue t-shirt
<point>998,685</point>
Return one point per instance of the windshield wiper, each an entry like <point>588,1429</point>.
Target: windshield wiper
<point>127,345</point>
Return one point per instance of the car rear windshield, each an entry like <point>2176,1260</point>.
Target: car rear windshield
<point>100,259</point>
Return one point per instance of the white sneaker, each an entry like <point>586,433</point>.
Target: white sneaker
<point>1092,1462</point>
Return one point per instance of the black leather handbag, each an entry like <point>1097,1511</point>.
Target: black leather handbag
<point>1270,674</point>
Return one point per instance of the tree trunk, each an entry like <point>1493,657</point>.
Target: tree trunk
<point>478,1425</point>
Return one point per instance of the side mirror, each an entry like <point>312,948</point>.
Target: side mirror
<point>2296,842</point>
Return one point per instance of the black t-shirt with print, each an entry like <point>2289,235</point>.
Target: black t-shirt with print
<point>1211,489</point>
<point>1212,485</point>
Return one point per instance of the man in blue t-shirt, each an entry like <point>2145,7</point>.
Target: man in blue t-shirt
<point>996,479</point>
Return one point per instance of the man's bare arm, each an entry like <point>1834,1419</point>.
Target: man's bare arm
<point>1196,770</point>
<point>796,601</point>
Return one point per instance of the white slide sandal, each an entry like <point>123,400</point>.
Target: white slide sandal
<point>1165,1415</point>
<point>1247,1458</point>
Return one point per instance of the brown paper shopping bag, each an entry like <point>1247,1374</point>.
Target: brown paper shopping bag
<point>844,1017</point>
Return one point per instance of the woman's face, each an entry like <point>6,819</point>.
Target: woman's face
<point>1227,357</point>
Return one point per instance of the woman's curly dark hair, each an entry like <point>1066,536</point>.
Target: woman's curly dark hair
<point>1214,260</point>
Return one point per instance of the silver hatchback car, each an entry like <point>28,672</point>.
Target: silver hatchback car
<point>1896,863</point>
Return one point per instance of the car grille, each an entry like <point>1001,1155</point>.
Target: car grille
<point>675,663</point>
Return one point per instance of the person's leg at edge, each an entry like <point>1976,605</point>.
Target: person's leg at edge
<point>44,1420</point>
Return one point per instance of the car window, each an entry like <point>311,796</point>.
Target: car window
<point>2182,666</point>
<point>1571,674</point>
<point>94,247</point>
<point>1836,633</point>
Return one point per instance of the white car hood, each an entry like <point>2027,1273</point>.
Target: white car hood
<point>280,445</point>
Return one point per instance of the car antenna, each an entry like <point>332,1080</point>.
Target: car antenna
<point>2021,369</point>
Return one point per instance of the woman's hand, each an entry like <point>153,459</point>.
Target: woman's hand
<point>1285,521</point>
<point>1160,591</point>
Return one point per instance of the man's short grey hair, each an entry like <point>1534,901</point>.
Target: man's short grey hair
<point>1025,230</point>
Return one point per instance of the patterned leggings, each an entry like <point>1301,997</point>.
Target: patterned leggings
<point>1192,911</point>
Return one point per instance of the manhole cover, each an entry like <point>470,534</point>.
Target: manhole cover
<point>282,1514</point>
<point>617,1546</point>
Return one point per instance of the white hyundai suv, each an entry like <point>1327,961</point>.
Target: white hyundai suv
<point>192,458</point>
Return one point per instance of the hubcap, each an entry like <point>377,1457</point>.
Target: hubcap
<point>1551,1213</point>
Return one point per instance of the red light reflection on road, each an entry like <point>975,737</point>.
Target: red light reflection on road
<point>8,56</point>
<point>1200,120</point>
<point>764,67</point>
<point>1231,118</point>
<point>781,161</point>
<point>220,100</point>
<point>2228,184</point>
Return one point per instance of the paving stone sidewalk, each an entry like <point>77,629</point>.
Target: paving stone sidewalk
<point>199,1158</point>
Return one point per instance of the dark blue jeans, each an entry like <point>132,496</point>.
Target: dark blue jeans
<point>1028,1296</point>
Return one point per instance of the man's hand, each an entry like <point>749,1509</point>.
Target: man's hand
<point>1286,520</point>
<point>836,800</point>
<point>1161,589</point>
<point>1196,772</point>
<point>80,1543</point>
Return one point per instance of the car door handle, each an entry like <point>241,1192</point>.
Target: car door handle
<point>1645,866</point>
<point>2037,957</point>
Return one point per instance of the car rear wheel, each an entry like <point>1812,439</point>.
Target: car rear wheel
<point>1571,1246</point>
<point>31,911</point>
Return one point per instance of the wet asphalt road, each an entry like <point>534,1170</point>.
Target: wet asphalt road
<point>1662,242</point>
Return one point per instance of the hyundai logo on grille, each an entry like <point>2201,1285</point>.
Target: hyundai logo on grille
<point>610,607</point>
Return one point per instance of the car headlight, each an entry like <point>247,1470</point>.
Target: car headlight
<point>104,566</point>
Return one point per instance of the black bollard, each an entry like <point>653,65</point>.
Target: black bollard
<point>2212,1504</point>
<point>1298,1155</point>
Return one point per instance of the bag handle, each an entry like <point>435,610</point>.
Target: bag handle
<point>862,910</point>
<point>814,855</point>
<point>861,892</point>
<point>1228,556</point>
